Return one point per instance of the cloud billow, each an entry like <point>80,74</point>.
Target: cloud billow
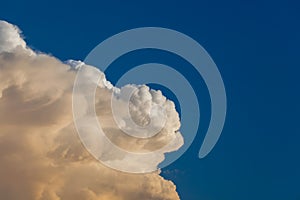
<point>41,155</point>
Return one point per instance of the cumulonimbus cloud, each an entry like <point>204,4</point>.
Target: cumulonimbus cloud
<point>41,155</point>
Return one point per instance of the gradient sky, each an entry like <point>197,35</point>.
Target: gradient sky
<point>255,44</point>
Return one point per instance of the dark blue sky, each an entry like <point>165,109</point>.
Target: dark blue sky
<point>256,46</point>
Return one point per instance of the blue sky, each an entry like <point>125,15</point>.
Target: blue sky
<point>255,44</point>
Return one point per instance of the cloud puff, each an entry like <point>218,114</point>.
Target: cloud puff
<point>118,145</point>
<point>10,37</point>
<point>41,155</point>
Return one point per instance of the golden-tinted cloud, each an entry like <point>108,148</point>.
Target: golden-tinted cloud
<point>41,155</point>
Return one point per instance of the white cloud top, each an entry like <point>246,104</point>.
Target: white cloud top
<point>10,37</point>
